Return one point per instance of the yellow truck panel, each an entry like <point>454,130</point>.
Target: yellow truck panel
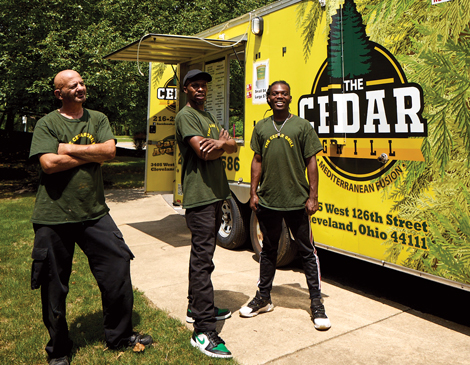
<point>387,92</point>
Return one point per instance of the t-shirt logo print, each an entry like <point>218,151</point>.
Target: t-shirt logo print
<point>279,136</point>
<point>83,135</point>
<point>210,128</point>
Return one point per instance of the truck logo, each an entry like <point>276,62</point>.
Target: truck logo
<point>166,146</point>
<point>168,94</point>
<point>363,109</point>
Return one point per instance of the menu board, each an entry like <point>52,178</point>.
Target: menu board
<point>216,90</point>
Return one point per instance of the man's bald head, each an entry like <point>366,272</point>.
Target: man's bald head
<point>69,87</point>
<point>63,76</point>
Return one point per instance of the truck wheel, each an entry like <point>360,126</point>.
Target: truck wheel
<point>232,232</point>
<point>287,249</point>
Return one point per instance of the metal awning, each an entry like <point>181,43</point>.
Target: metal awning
<point>170,49</point>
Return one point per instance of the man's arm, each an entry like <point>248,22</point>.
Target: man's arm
<point>98,152</point>
<point>211,149</point>
<point>70,155</point>
<point>255,178</point>
<point>311,206</point>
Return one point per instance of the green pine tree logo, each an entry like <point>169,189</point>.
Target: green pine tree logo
<point>349,42</point>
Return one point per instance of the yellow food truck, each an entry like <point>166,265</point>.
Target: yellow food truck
<point>387,89</point>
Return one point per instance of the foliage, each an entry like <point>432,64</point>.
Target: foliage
<point>239,126</point>
<point>40,38</point>
<point>432,43</point>
<point>237,98</point>
<point>309,14</point>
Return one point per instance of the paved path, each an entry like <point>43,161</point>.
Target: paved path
<point>365,329</point>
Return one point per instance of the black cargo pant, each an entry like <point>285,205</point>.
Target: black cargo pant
<point>109,259</point>
<point>270,224</point>
<point>204,223</point>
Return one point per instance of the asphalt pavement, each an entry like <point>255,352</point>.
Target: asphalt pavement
<point>366,329</point>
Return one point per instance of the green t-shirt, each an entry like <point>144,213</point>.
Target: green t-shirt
<point>204,182</point>
<point>283,184</point>
<point>77,194</point>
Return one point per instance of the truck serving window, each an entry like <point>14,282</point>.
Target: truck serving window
<point>236,98</point>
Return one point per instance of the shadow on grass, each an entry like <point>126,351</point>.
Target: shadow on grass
<point>88,329</point>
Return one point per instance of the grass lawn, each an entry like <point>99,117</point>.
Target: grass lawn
<point>124,138</point>
<point>22,333</point>
<point>124,172</point>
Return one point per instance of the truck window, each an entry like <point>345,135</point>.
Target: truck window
<point>237,96</point>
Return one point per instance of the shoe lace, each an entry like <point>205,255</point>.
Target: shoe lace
<point>318,311</point>
<point>214,338</point>
<point>256,301</point>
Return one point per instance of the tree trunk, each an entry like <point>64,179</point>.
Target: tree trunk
<point>10,124</point>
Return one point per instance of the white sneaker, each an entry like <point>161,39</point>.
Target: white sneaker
<point>320,319</point>
<point>210,344</point>
<point>256,306</point>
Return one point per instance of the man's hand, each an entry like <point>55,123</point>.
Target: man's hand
<point>63,150</point>
<point>223,135</point>
<point>209,144</point>
<point>255,178</point>
<point>254,202</point>
<point>212,149</point>
<point>311,206</point>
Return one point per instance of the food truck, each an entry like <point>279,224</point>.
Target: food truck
<point>387,91</point>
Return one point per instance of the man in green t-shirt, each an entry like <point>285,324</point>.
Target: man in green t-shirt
<point>285,145</point>
<point>202,141</point>
<point>70,144</point>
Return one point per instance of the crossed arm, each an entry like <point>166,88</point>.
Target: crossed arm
<point>71,155</point>
<point>211,149</point>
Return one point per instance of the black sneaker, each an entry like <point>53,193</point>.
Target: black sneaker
<point>133,340</point>
<point>219,314</point>
<point>136,338</point>
<point>210,344</point>
<point>256,306</point>
<point>64,360</point>
<point>320,319</point>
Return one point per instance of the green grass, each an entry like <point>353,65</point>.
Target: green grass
<point>124,172</point>
<point>22,333</point>
<point>124,138</point>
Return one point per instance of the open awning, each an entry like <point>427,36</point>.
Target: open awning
<point>170,49</point>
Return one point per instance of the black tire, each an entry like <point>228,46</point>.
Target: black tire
<point>287,249</point>
<point>232,232</point>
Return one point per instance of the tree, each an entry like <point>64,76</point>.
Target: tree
<point>348,36</point>
<point>40,38</point>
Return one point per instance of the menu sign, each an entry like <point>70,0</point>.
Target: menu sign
<point>216,90</point>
